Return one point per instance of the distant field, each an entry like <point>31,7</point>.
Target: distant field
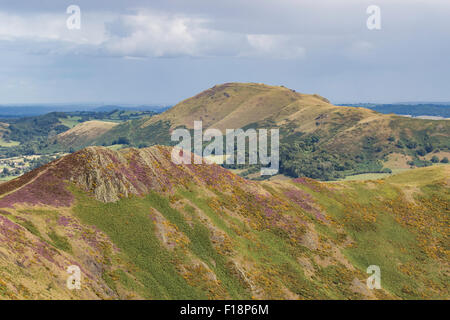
<point>366,176</point>
<point>116,146</point>
<point>3,143</point>
<point>17,166</point>
<point>4,179</point>
<point>376,176</point>
<point>372,176</point>
<point>71,121</point>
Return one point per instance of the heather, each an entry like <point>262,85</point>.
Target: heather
<point>47,189</point>
<point>141,227</point>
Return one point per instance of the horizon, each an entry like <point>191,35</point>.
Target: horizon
<point>169,105</point>
<point>96,104</point>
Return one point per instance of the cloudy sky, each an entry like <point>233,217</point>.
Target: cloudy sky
<point>160,52</point>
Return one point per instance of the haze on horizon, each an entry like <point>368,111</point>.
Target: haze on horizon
<point>137,52</point>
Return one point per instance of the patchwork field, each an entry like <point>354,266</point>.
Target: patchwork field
<point>10,143</point>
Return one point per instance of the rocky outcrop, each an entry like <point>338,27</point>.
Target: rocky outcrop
<point>110,175</point>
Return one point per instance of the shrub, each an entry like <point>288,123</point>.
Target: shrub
<point>421,152</point>
<point>428,148</point>
<point>121,140</point>
<point>411,145</point>
<point>400,144</point>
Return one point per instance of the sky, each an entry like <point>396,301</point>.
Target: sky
<point>161,52</point>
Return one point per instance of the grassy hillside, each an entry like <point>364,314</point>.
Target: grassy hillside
<point>84,133</point>
<point>318,140</point>
<point>139,226</point>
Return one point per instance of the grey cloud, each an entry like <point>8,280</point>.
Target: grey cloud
<point>313,46</point>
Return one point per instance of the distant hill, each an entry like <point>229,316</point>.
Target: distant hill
<point>37,110</point>
<point>415,110</point>
<point>236,105</point>
<point>319,140</point>
<point>84,133</point>
<point>140,227</point>
<point>134,108</point>
<point>36,134</point>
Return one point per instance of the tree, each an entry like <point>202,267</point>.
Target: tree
<point>411,144</point>
<point>121,140</point>
<point>435,159</point>
<point>444,160</point>
<point>429,147</point>
<point>400,144</point>
<point>421,152</point>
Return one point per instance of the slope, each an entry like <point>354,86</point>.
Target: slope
<point>84,133</point>
<point>139,226</point>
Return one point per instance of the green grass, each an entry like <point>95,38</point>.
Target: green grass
<point>60,242</point>
<point>129,226</point>
<point>369,213</point>
<point>380,246</point>
<point>366,176</point>
<point>385,242</point>
<point>420,175</point>
<point>7,178</point>
<point>30,227</point>
<point>8,144</point>
<point>271,251</point>
<point>400,170</point>
<point>70,121</point>
<point>201,245</point>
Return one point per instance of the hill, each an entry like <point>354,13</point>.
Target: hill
<point>139,226</point>
<point>318,140</point>
<point>236,105</point>
<point>26,111</point>
<point>84,133</point>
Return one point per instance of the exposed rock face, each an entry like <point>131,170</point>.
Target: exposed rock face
<point>111,175</point>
